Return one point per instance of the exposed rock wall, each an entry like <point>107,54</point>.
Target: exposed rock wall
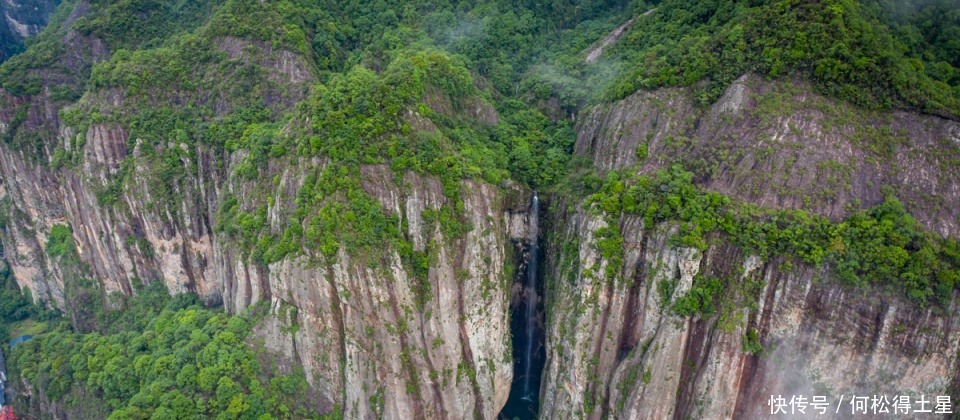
<point>778,144</point>
<point>120,244</point>
<point>355,327</point>
<point>616,347</point>
<point>354,323</point>
<point>358,330</point>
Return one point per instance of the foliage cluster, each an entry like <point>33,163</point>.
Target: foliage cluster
<point>60,241</point>
<point>930,30</point>
<point>700,298</point>
<point>362,117</point>
<point>137,24</point>
<point>881,246</point>
<point>164,357</point>
<point>842,45</point>
<point>21,74</point>
<point>15,305</point>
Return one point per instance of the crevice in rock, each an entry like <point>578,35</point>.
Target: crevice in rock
<point>435,386</point>
<point>629,335</point>
<point>419,410</point>
<point>337,310</point>
<point>467,354</point>
<point>760,322</point>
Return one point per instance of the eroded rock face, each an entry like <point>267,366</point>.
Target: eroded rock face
<point>355,327</point>
<point>368,344</point>
<point>616,348</point>
<point>359,330</point>
<point>779,145</point>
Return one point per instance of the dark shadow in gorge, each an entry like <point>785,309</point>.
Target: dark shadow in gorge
<point>526,324</point>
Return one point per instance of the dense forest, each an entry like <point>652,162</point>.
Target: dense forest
<point>163,357</point>
<point>510,78</point>
<point>841,45</point>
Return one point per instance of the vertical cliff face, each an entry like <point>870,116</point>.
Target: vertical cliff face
<point>417,324</point>
<point>616,346</point>
<point>369,343</point>
<point>363,331</point>
<point>20,20</point>
<point>778,144</point>
<point>375,337</point>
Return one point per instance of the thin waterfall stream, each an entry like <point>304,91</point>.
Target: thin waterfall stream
<point>526,325</point>
<point>531,290</point>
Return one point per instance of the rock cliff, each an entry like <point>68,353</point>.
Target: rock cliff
<point>355,325</point>
<point>375,338</point>
<point>381,337</point>
<point>615,347</point>
<point>781,145</point>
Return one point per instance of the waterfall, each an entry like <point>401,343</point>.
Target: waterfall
<point>531,294</point>
<point>525,327</point>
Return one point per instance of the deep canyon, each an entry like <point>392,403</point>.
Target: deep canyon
<point>525,286</point>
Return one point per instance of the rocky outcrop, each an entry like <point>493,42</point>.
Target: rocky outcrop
<point>617,349</point>
<point>596,51</point>
<point>615,346</point>
<point>371,341</point>
<point>120,244</point>
<point>778,144</point>
<point>359,330</point>
<point>356,328</point>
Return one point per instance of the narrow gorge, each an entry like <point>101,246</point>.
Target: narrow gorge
<point>527,323</point>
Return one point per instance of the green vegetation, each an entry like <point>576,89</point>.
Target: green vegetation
<point>700,298</point>
<point>879,246</point>
<point>164,357</point>
<point>136,24</point>
<point>842,45</point>
<point>930,29</point>
<point>16,306</point>
<point>456,91</point>
<point>60,241</point>
<point>404,100</point>
<point>752,344</point>
<point>176,53</point>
